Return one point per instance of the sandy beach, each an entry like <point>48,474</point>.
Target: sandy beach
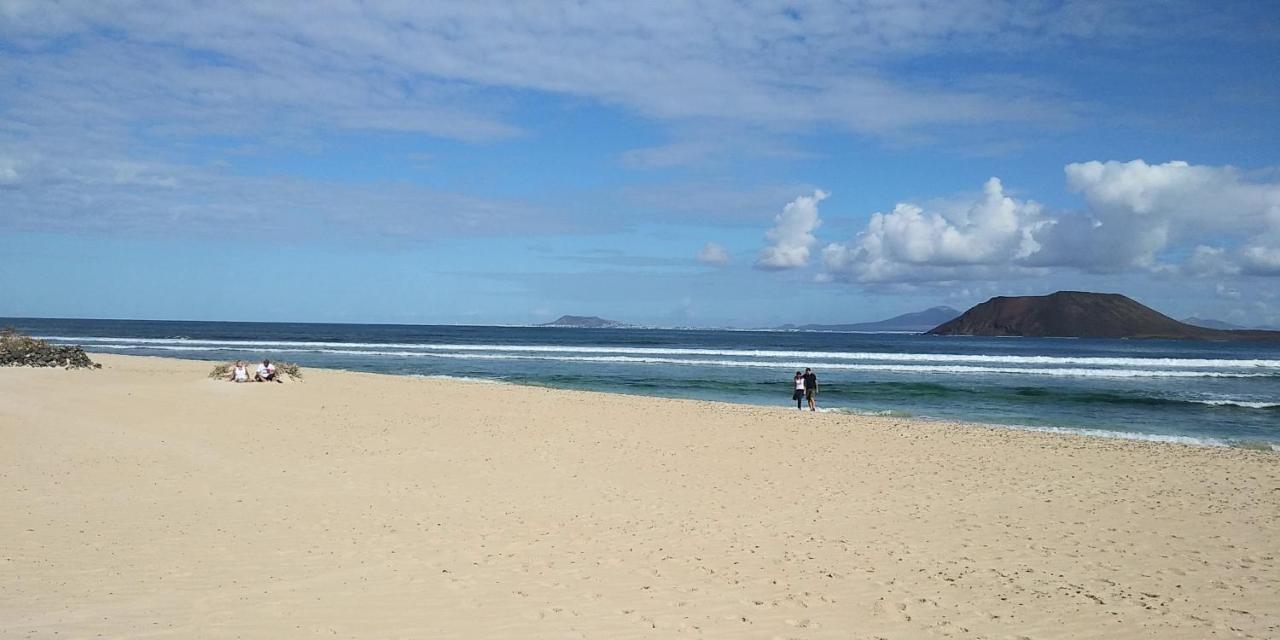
<point>145,500</point>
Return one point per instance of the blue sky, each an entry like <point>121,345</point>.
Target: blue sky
<point>699,163</point>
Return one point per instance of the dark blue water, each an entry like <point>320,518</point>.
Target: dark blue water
<point>1208,392</point>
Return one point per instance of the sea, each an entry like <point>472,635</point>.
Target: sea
<point>1206,393</point>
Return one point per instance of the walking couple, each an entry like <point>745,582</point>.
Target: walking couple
<point>806,389</point>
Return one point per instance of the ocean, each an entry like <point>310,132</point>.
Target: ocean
<point>1210,393</point>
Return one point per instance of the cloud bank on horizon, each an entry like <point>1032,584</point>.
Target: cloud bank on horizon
<point>543,153</point>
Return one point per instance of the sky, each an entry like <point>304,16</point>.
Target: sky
<point>702,163</point>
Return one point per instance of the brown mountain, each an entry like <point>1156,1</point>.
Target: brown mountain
<point>1080,314</point>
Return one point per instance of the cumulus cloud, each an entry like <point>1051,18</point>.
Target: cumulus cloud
<point>1173,190</point>
<point>1137,217</point>
<point>1136,211</point>
<point>957,239</point>
<point>792,236</point>
<point>713,254</point>
<point>1137,214</point>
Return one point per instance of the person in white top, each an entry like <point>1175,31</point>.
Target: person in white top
<point>266,372</point>
<point>798,396</point>
<point>239,373</point>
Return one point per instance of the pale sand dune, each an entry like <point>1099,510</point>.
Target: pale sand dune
<point>143,500</point>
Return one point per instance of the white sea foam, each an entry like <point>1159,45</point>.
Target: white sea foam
<point>462,379</point>
<point>1122,435</point>
<point>864,412</point>
<point>1239,403</point>
<point>1069,372</point>
<point>162,347</point>
<point>185,344</point>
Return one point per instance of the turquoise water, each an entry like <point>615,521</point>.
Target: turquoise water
<point>1202,392</point>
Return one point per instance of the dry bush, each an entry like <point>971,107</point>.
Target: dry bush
<point>14,341</point>
<point>290,369</point>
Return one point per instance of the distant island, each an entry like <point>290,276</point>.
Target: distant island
<point>1081,314</point>
<point>1210,323</point>
<point>917,322</point>
<point>584,322</point>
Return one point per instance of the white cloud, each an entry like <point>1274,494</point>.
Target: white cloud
<point>1196,194</point>
<point>959,239</point>
<point>122,196</point>
<point>426,67</point>
<point>668,155</point>
<point>1260,260</point>
<point>792,234</point>
<point>1226,292</point>
<point>1209,261</point>
<point>1137,212</point>
<point>1137,217</point>
<point>125,81</point>
<point>8,171</point>
<point>713,254</point>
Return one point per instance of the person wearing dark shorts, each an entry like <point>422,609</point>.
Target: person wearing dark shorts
<point>798,396</point>
<point>810,388</point>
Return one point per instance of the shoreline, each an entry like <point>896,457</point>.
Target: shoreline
<point>147,499</point>
<point>1086,432</point>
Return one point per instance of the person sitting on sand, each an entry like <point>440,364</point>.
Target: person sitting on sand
<point>240,372</point>
<point>266,372</point>
<point>798,396</point>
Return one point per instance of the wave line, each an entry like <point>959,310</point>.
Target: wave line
<point>184,344</point>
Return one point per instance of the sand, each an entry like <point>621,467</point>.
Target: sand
<point>144,500</point>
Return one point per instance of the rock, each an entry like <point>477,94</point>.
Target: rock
<point>19,350</point>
